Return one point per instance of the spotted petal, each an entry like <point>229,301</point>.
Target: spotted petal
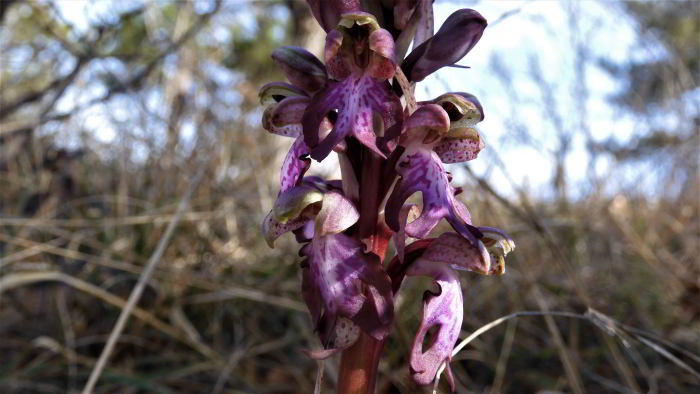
<point>383,62</point>
<point>460,145</point>
<point>352,284</point>
<point>295,164</point>
<point>453,250</point>
<point>422,171</point>
<point>355,99</point>
<point>441,309</point>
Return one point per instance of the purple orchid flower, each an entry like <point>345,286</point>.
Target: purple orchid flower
<point>388,151</point>
<point>359,59</point>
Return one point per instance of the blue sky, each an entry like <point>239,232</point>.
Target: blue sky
<point>541,30</point>
<point>544,31</point>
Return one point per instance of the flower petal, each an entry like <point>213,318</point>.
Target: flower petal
<point>291,203</point>
<point>456,37</point>
<point>295,164</point>
<point>422,171</point>
<point>453,250</point>
<point>464,109</point>
<point>337,65</point>
<point>344,335</point>
<point>355,100</point>
<point>409,213</point>
<point>328,12</point>
<point>359,46</point>
<point>337,214</point>
<point>292,209</point>
<point>351,283</point>
<point>274,92</point>
<point>383,62</point>
<point>301,68</point>
<point>310,292</point>
<point>498,244</point>
<point>305,233</point>
<point>425,126</point>
<point>273,229</point>
<point>284,118</point>
<point>442,309</point>
<point>460,145</point>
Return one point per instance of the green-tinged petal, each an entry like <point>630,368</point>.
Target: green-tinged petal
<point>293,202</point>
<point>349,19</point>
<point>498,244</point>
<point>464,109</point>
<point>273,229</point>
<point>274,92</point>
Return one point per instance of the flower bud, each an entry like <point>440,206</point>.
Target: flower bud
<point>301,68</point>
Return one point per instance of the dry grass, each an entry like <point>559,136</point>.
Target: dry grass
<point>613,280</point>
<point>223,313</point>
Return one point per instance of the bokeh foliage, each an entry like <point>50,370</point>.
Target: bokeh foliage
<point>103,126</point>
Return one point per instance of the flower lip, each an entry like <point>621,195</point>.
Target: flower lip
<point>356,101</point>
<point>350,284</point>
<point>442,309</point>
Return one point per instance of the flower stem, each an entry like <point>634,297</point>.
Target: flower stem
<point>359,362</point>
<point>358,366</point>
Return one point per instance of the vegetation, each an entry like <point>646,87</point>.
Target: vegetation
<point>108,125</point>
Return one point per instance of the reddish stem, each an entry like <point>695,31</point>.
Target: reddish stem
<point>358,366</point>
<point>359,362</point>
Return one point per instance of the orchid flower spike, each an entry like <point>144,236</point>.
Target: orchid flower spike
<point>388,151</point>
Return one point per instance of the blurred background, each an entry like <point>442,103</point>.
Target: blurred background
<point>111,112</point>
